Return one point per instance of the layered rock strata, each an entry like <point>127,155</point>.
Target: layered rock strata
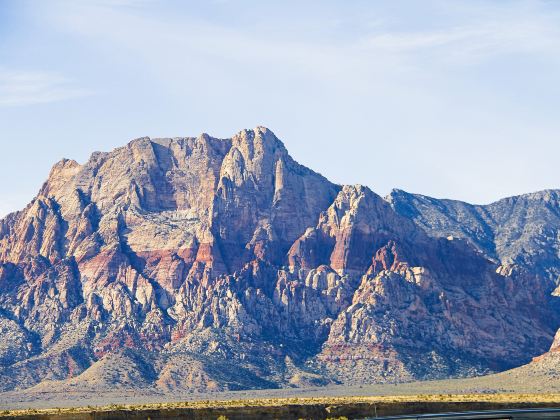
<point>208,264</point>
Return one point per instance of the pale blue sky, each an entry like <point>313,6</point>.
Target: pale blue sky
<point>449,98</point>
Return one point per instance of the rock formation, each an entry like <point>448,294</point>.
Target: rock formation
<point>208,264</point>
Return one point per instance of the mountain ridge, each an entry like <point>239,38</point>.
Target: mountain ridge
<point>183,254</point>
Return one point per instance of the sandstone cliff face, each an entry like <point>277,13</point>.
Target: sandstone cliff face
<point>203,263</point>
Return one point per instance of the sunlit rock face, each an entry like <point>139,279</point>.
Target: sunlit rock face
<point>208,264</point>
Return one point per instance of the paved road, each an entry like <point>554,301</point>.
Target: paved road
<point>528,414</point>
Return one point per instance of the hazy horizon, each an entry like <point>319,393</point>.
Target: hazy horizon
<point>451,100</point>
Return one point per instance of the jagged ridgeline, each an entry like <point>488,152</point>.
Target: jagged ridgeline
<point>210,264</point>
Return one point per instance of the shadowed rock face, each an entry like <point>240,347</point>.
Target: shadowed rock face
<point>203,263</point>
<point>521,234</point>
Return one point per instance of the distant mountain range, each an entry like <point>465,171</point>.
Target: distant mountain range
<point>210,264</point>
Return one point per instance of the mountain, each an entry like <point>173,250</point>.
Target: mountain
<point>521,234</point>
<point>212,264</point>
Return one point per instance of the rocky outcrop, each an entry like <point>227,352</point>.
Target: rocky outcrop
<point>215,264</point>
<point>520,234</point>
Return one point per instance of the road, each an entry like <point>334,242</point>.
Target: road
<point>528,414</point>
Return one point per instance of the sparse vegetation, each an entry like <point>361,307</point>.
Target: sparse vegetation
<point>328,402</point>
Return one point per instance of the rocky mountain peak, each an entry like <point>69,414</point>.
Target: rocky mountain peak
<point>226,260</point>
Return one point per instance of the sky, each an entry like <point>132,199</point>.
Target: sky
<point>448,98</point>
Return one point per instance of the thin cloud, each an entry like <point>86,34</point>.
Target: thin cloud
<point>21,88</point>
<point>398,42</point>
<point>464,43</point>
<point>117,3</point>
<point>475,41</point>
